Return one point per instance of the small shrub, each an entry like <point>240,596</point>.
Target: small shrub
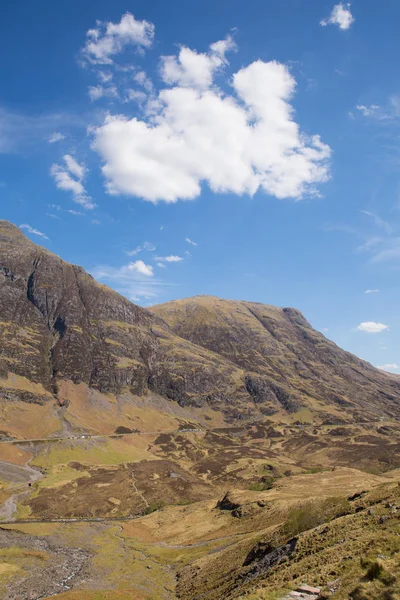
<point>376,570</point>
<point>153,507</point>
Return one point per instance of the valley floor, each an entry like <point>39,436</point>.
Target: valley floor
<point>242,512</point>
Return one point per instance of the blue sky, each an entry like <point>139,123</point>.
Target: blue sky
<point>248,150</point>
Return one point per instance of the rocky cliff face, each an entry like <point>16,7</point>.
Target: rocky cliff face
<point>57,323</point>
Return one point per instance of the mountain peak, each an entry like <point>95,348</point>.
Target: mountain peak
<point>10,231</point>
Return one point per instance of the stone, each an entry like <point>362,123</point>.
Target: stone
<point>308,589</point>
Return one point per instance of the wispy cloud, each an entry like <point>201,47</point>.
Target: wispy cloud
<point>135,280</point>
<point>381,241</point>
<point>379,222</point>
<point>191,242</point>
<point>170,259</point>
<point>145,246</point>
<point>372,327</point>
<point>371,291</point>
<point>367,111</point>
<point>387,113</point>
<point>389,367</point>
<point>56,137</point>
<point>95,92</point>
<point>382,249</point>
<point>33,231</point>
<point>69,178</point>
<point>19,131</point>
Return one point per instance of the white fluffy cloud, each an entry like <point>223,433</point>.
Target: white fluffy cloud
<point>69,178</point>
<point>194,133</point>
<point>33,231</point>
<point>372,327</point>
<point>171,259</point>
<point>192,69</point>
<point>108,39</point>
<point>140,267</point>
<point>341,16</point>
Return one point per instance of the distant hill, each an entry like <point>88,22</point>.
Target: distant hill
<point>243,359</point>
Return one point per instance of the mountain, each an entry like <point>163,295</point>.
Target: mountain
<point>205,448</point>
<point>286,363</point>
<point>58,325</point>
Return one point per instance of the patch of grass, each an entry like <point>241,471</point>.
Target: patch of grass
<point>153,507</point>
<point>261,486</point>
<point>60,475</point>
<point>39,529</point>
<point>110,452</point>
<point>314,470</point>
<point>23,512</point>
<point>15,552</point>
<point>313,514</point>
<point>101,595</point>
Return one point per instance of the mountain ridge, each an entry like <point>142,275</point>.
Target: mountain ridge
<point>244,359</point>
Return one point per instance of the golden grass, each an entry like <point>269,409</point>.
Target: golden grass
<point>17,382</point>
<point>29,421</point>
<point>35,529</point>
<point>102,595</point>
<point>97,452</point>
<point>14,454</point>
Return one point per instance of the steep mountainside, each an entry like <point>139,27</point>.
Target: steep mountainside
<point>285,360</point>
<point>57,323</point>
<point>244,359</point>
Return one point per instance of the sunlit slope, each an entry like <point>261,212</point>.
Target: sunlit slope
<point>287,363</point>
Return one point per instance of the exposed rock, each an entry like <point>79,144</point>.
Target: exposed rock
<point>263,557</point>
<point>227,503</point>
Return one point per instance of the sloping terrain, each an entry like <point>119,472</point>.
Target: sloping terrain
<point>58,324</point>
<point>60,328</point>
<point>205,449</point>
<point>287,363</point>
